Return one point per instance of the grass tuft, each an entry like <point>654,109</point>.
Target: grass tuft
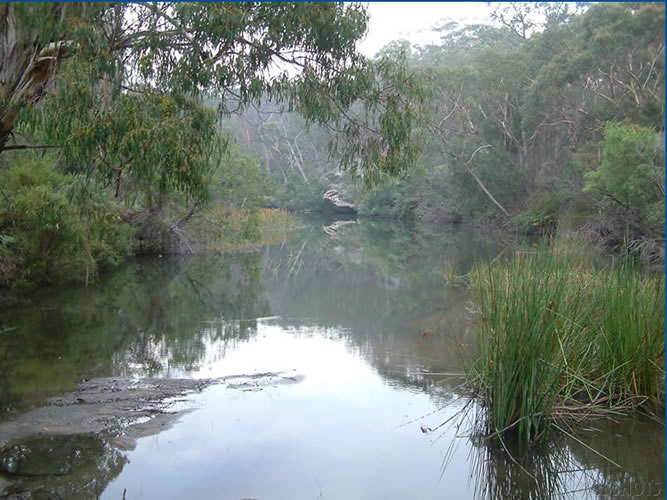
<point>560,338</point>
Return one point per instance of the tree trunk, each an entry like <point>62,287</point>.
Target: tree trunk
<point>468,166</point>
<point>26,68</point>
<point>486,191</point>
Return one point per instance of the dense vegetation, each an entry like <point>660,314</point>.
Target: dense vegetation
<point>112,133</point>
<point>551,117</point>
<point>118,124</point>
<point>163,128</point>
<point>531,129</point>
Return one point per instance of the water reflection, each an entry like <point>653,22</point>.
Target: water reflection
<point>151,318</point>
<point>575,468</point>
<point>365,314</point>
<point>74,467</point>
<point>380,285</point>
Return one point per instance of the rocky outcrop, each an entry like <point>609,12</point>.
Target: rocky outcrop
<point>334,204</point>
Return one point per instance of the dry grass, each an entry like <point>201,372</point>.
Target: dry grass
<point>224,229</point>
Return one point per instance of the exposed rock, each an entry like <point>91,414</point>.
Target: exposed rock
<point>121,405</point>
<point>333,203</point>
<point>99,405</point>
<point>71,447</point>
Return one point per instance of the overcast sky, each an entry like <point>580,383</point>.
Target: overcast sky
<point>414,21</point>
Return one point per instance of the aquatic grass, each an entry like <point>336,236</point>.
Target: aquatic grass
<point>560,338</point>
<point>276,225</point>
<point>629,322</point>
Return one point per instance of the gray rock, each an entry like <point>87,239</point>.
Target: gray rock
<point>334,204</point>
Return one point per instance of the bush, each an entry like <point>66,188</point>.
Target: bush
<point>630,181</point>
<point>395,198</point>
<point>544,208</point>
<point>296,195</point>
<point>55,227</point>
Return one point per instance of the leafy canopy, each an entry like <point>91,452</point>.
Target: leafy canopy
<point>125,92</point>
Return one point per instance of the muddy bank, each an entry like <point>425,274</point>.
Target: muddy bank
<point>72,446</point>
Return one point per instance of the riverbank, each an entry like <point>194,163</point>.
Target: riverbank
<point>211,229</point>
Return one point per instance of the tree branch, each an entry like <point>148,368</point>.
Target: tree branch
<point>28,146</point>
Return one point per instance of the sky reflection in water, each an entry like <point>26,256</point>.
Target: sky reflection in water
<point>348,313</point>
<point>337,433</point>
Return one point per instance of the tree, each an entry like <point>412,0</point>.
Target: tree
<point>32,46</point>
<point>473,116</point>
<point>124,84</point>
<point>528,99</point>
<point>524,18</point>
<point>630,181</point>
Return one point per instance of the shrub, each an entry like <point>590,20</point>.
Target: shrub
<point>630,181</point>
<point>296,195</point>
<point>56,228</point>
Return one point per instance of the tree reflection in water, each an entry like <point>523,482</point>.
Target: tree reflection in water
<point>375,285</point>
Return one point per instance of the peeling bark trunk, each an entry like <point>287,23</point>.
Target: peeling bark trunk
<point>26,68</point>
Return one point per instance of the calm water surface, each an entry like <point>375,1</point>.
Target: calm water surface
<point>378,337</point>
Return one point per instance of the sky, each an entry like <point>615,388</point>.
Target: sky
<point>414,21</point>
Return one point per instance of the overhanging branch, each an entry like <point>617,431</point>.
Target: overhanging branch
<point>29,146</point>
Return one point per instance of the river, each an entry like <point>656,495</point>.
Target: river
<point>370,324</point>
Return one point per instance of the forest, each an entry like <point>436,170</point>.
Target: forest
<point>551,118</point>
<point>156,129</point>
<point>460,238</point>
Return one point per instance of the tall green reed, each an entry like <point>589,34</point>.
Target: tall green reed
<point>561,338</point>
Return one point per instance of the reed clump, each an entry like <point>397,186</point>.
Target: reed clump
<point>563,339</point>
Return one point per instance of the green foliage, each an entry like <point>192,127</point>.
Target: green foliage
<point>297,195</point>
<point>152,141</point>
<point>631,178</point>
<point>127,98</point>
<point>121,90</point>
<point>629,320</point>
<point>557,335</point>
<point>633,160</point>
<point>512,108</point>
<point>55,227</point>
<point>444,192</point>
<point>237,180</point>
<point>396,198</point>
<point>461,42</point>
<point>232,218</point>
<point>543,209</point>
<point>381,138</point>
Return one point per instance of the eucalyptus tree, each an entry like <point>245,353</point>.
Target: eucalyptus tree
<point>118,87</point>
<point>523,19</point>
<point>474,86</point>
<point>525,101</point>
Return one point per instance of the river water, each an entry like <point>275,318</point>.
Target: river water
<point>368,321</point>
